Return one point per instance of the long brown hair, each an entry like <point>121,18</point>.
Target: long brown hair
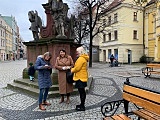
<point>63,50</point>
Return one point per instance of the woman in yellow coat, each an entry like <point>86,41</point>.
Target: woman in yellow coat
<point>80,77</point>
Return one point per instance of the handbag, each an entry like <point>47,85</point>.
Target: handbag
<point>69,76</point>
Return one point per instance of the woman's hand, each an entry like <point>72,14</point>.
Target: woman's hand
<point>47,67</point>
<point>64,68</point>
<point>68,67</point>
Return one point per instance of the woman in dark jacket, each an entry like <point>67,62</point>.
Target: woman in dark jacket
<point>44,79</point>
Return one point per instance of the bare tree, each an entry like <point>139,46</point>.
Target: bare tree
<point>89,22</point>
<point>92,10</point>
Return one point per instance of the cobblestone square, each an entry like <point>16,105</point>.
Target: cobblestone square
<point>106,86</point>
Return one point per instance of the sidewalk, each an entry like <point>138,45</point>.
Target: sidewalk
<point>106,86</point>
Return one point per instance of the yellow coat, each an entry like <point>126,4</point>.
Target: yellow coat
<point>80,69</point>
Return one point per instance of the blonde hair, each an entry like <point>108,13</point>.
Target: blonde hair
<point>47,54</point>
<point>81,50</point>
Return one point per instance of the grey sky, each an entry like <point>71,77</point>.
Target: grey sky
<point>19,9</point>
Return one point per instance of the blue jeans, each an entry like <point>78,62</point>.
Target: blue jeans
<point>31,78</point>
<point>43,94</point>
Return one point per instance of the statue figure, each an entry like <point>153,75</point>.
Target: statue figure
<point>36,23</point>
<point>59,13</point>
<point>72,25</point>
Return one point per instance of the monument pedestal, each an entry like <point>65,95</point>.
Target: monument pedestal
<point>36,48</point>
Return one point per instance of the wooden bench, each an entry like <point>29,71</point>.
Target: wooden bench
<point>146,102</point>
<point>151,69</point>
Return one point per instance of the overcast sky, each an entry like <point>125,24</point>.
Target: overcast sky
<point>19,9</point>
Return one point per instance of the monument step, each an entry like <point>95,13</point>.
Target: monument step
<point>23,88</point>
<point>31,88</point>
<point>34,84</point>
<point>34,91</point>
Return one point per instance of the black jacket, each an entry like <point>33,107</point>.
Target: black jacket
<point>31,70</point>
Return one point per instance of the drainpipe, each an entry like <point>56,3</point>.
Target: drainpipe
<point>143,30</point>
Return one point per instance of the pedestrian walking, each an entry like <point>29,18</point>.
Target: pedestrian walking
<point>112,59</point>
<point>63,63</point>
<point>31,72</point>
<point>44,79</point>
<point>80,77</point>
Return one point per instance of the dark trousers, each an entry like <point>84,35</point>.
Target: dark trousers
<point>43,94</point>
<point>82,93</point>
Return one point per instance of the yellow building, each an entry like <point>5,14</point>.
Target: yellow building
<point>123,36</point>
<point>152,30</point>
<point>8,42</point>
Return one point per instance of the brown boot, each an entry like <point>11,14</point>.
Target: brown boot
<point>46,103</point>
<point>62,99</point>
<point>68,100</point>
<point>41,107</point>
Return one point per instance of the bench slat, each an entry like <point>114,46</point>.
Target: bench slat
<point>153,64</point>
<point>120,117</point>
<point>142,93</point>
<point>124,117</point>
<point>151,71</point>
<point>147,114</point>
<point>107,118</point>
<point>142,102</point>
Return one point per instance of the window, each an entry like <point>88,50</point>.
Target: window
<point>116,54</point>
<point>109,53</point>
<point>109,20</point>
<point>109,36</point>
<point>3,34</point>
<point>104,37</point>
<point>115,17</point>
<point>1,42</point>
<point>115,35</point>
<point>135,34</point>
<point>104,22</point>
<point>135,16</point>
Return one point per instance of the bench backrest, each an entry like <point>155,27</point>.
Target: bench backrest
<point>153,65</point>
<point>143,97</point>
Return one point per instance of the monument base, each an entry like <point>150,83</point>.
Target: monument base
<point>36,48</point>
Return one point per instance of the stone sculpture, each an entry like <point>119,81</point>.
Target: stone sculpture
<point>58,10</point>
<point>36,23</point>
<point>59,25</point>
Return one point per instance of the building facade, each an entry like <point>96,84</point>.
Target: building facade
<point>152,30</point>
<point>10,20</point>
<point>8,42</point>
<point>123,36</point>
<point>2,39</point>
<point>11,43</point>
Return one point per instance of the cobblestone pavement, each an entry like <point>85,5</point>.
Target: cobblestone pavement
<point>106,86</point>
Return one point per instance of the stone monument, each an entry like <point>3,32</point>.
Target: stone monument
<point>57,34</point>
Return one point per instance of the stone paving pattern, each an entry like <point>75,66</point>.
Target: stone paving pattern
<point>106,86</point>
